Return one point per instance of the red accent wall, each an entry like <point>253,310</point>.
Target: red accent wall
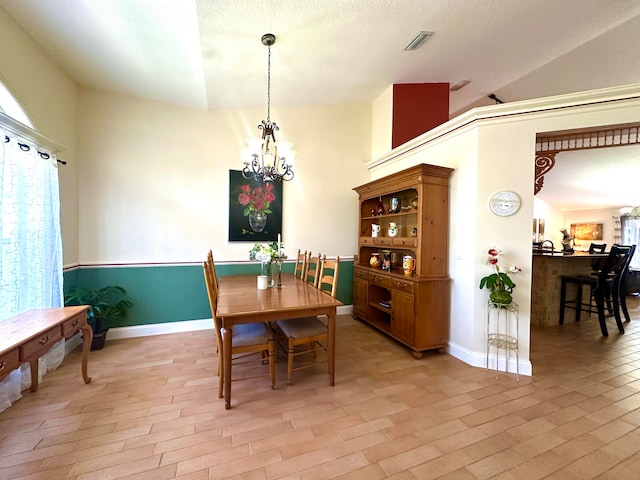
<point>417,108</point>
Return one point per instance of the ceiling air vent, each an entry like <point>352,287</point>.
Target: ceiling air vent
<point>419,40</point>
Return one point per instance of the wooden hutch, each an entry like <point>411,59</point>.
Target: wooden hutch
<point>413,309</point>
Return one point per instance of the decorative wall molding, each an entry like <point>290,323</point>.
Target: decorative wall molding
<point>586,139</point>
<point>545,161</point>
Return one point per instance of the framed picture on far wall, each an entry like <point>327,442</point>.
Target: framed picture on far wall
<point>255,209</point>
<point>587,231</point>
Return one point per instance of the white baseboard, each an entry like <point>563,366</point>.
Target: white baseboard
<point>175,327</point>
<point>159,329</point>
<point>479,359</point>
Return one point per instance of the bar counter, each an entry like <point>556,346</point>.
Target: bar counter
<point>545,283</point>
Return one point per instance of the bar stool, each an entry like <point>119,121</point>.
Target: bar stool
<point>621,287</point>
<point>580,281</point>
<point>596,266</point>
<point>605,287</point>
<point>575,304</point>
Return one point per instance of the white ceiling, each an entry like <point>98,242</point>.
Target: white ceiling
<point>207,54</point>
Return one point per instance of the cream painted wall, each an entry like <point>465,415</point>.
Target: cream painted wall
<point>604,216</point>
<point>493,149</point>
<point>154,178</point>
<point>49,97</point>
<point>553,221</point>
<point>382,123</point>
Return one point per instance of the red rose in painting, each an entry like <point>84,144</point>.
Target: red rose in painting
<point>243,198</point>
<point>259,198</point>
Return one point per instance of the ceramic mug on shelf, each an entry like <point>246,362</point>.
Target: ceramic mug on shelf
<point>375,229</point>
<point>408,265</point>
<point>393,229</point>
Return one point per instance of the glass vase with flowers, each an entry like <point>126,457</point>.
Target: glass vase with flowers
<point>269,254</point>
<point>499,283</point>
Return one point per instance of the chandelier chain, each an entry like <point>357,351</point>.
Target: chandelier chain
<point>269,85</point>
<point>267,160</point>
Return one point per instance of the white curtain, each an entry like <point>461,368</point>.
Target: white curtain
<point>30,246</point>
<point>631,236</point>
<point>30,238</point>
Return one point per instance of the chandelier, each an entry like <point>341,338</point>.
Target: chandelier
<point>266,159</point>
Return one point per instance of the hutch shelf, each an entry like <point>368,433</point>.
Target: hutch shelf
<point>411,307</point>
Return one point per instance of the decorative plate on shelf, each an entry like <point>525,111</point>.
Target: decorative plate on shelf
<point>504,203</point>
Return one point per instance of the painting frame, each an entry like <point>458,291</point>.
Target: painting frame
<point>251,195</point>
<point>587,231</point>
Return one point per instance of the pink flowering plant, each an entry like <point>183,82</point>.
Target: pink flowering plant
<point>257,198</point>
<point>500,280</point>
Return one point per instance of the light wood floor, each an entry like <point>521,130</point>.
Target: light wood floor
<point>152,412</point>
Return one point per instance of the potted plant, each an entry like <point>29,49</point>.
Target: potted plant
<point>499,284</point>
<point>106,304</point>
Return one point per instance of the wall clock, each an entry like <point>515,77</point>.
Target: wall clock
<point>504,203</point>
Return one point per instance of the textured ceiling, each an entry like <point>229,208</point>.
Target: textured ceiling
<point>207,55</point>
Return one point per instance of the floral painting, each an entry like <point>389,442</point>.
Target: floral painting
<point>255,209</point>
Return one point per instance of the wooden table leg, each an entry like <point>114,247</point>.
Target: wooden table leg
<point>226,351</point>
<point>332,347</point>
<point>34,375</point>
<point>87,337</point>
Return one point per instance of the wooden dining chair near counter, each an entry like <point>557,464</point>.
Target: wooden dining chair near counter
<point>300,268</point>
<point>310,334</point>
<point>248,339</point>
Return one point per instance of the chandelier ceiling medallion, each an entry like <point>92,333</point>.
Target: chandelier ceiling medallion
<point>266,159</point>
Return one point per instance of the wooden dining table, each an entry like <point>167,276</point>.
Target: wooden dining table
<point>240,301</point>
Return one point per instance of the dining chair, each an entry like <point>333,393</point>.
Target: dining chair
<point>312,272</point>
<point>596,266</point>
<point>605,287</point>
<point>621,290</point>
<point>310,334</point>
<point>212,268</point>
<point>301,264</point>
<point>248,339</point>
<point>598,262</point>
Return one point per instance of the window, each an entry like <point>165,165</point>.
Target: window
<point>630,236</point>
<point>30,238</point>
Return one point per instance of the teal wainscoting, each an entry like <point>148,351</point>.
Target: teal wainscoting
<point>174,293</point>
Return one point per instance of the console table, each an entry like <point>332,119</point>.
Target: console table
<point>29,335</point>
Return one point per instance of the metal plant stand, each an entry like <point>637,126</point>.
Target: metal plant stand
<point>502,333</point>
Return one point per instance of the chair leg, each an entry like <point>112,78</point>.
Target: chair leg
<point>220,379</point>
<point>623,304</point>
<point>272,364</point>
<point>616,310</point>
<point>290,362</point>
<point>601,316</point>
<point>563,295</point>
<point>578,301</point>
